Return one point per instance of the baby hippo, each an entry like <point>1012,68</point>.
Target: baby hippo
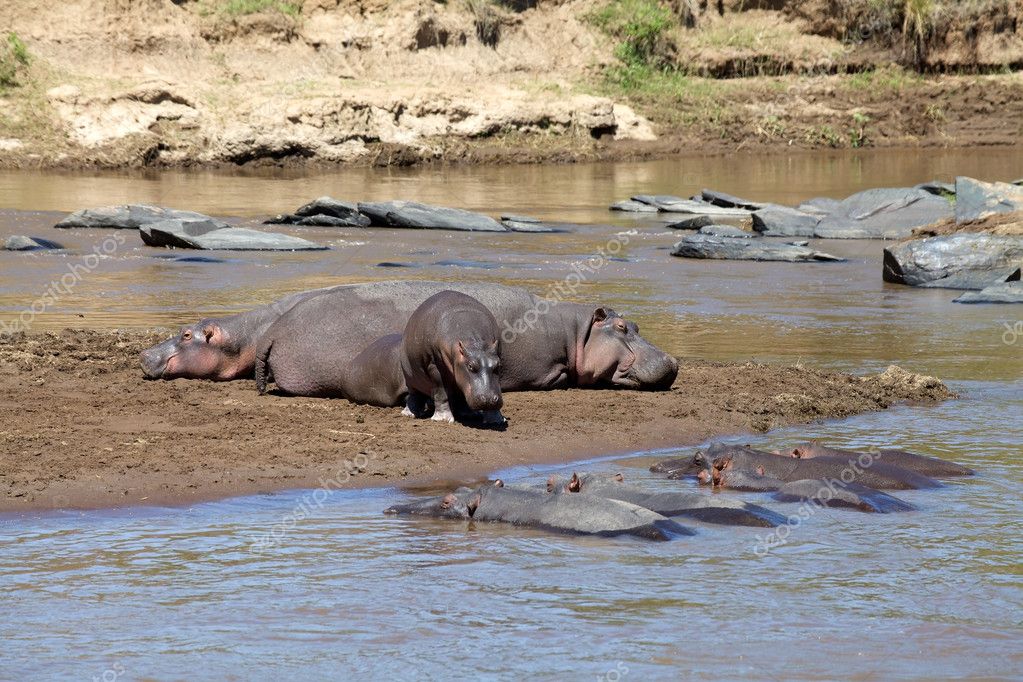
<point>450,359</point>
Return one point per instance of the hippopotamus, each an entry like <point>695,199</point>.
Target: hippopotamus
<point>544,344</point>
<point>217,348</point>
<point>830,493</point>
<point>921,464</point>
<point>559,513</point>
<point>706,508</point>
<point>866,472</point>
<point>449,359</point>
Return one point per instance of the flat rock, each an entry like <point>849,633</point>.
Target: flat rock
<point>733,248</point>
<point>1004,292</point>
<point>129,217</point>
<point>19,242</point>
<point>726,231</point>
<point>937,187</point>
<point>411,214</point>
<point>331,212</point>
<point>205,235</point>
<point>666,203</point>
<point>515,218</point>
<point>884,213</point>
<point>781,221</point>
<point>725,200</point>
<point>533,226</point>
<point>694,223</point>
<point>976,199</point>
<point>957,261</point>
<point>819,206</point>
<point>630,206</point>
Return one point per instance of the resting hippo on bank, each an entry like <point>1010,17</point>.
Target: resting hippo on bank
<point>928,466</point>
<point>449,360</point>
<point>544,344</point>
<point>706,508</point>
<point>559,513</point>
<point>831,493</point>
<point>217,348</point>
<point>865,471</point>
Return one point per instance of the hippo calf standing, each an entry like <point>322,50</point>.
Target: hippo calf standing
<point>450,359</point>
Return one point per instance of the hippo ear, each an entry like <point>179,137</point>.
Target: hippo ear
<point>460,349</point>
<point>552,483</point>
<point>618,477</point>
<point>473,504</point>
<point>448,501</point>
<point>575,485</point>
<point>760,470</point>
<point>498,483</point>
<point>599,315</point>
<point>213,333</point>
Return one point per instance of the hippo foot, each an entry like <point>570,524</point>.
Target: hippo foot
<point>443,414</point>
<point>417,406</point>
<point>407,412</point>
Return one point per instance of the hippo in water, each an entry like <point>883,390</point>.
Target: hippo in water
<point>928,466</point>
<point>217,348</point>
<point>865,471</point>
<point>830,493</point>
<point>450,358</point>
<point>559,513</point>
<point>544,344</point>
<point>700,506</point>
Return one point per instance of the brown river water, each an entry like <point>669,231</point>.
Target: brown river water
<point>181,593</point>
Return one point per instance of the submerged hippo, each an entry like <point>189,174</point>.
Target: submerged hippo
<point>559,513</point>
<point>706,508</point>
<point>865,471</point>
<point>544,344</point>
<point>921,464</point>
<point>217,348</point>
<point>450,358</point>
<point>830,493</point>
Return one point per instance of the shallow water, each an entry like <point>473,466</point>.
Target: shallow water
<point>346,592</point>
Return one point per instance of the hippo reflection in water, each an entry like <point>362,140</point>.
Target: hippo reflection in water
<point>309,338</point>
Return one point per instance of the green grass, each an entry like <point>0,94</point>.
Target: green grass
<point>892,78</point>
<point>14,57</point>
<point>642,27</point>
<point>237,8</point>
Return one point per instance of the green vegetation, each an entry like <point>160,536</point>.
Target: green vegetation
<point>643,28</point>
<point>237,8</point>
<point>858,130</point>
<point>14,57</point>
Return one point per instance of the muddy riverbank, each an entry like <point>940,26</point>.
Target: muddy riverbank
<point>82,428</point>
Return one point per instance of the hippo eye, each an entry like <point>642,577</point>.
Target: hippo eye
<point>699,458</point>
<point>473,367</point>
<point>620,326</point>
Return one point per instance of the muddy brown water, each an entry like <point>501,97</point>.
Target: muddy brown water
<point>322,585</point>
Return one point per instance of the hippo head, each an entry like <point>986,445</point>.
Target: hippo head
<point>613,352</point>
<point>475,366</point>
<point>698,465</point>
<point>449,506</point>
<point>201,351</point>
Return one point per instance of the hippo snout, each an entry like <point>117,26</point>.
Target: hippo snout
<point>152,363</point>
<point>486,401</point>
<point>654,371</point>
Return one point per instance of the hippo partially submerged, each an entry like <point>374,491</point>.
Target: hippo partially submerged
<point>699,506</point>
<point>544,344</point>
<point>921,464</point>
<point>865,470</point>
<point>559,513</point>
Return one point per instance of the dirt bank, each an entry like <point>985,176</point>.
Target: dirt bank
<point>325,82</point>
<point>80,428</point>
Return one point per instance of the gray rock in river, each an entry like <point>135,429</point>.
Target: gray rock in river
<point>884,213</point>
<point>732,248</point>
<point>202,234</point>
<point>957,261</point>
<point>411,214</point>
<point>819,206</point>
<point>1004,292</point>
<point>129,217</point>
<point>976,199</point>
<point>781,221</point>
<point>631,206</point>
<point>696,222</point>
<point>729,201</point>
<point>530,226</point>
<point>726,231</point>
<point>19,242</point>
<point>331,212</point>
<point>667,203</point>
<point>937,187</point>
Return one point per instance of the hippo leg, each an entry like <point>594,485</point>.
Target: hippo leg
<point>441,407</point>
<point>418,405</point>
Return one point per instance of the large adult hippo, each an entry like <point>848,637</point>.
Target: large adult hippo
<point>217,348</point>
<point>544,344</point>
<point>921,464</point>
<point>865,470</point>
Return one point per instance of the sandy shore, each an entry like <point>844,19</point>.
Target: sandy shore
<point>82,429</point>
